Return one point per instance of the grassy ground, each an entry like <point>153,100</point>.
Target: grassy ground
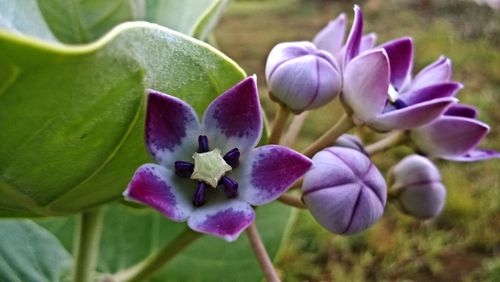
<point>463,244</point>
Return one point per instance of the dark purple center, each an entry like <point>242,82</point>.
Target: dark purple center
<point>227,185</point>
<point>399,104</point>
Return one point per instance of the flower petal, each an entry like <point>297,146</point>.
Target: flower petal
<point>449,136</point>
<point>366,83</point>
<point>475,155</point>
<point>171,128</point>
<point>368,42</point>
<point>435,91</point>
<point>223,218</point>
<point>156,186</point>
<point>354,40</point>
<point>412,116</point>
<point>400,54</point>
<point>268,172</point>
<point>234,119</point>
<point>331,37</point>
<point>284,52</point>
<point>461,110</point>
<point>437,72</point>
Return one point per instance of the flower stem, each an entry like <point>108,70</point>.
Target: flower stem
<point>393,139</point>
<point>261,254</point>
<point>87,238</point>
<point>294,130</point>
<point>149,266</point>
<point>278,125</point>
<point>343,125</point>
<point>293,201</point>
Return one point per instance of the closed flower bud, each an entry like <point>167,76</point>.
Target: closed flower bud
<point>418,187</point>
<point>301,77</point>
<point>352,142</point>
<point>344,191</point>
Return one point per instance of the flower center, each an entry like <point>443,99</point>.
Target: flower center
<point>394,98</point>
<point>209,170</point>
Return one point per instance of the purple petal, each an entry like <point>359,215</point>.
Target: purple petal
<point>475,155</point>
<point>234,119</point>
<point>268,172</point>
<point>171,128</point>
<point>447,89</point>
<point>354,40</point>
<point>368,42</point>
<point>461,110</point>
<point>449,136</point>
<point>156,186</point>
<point>366,82</point>
<point>437,72</point>
<point>400,54</point>
<point>331,37</point>
<point>412,116</point>
<point>224,218</point>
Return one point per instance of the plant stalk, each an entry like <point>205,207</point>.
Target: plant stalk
<point>279,125</point>
<point>393,139</point>
<point>294,130</point>
<point>343,125</point>
<point>261,254</point>
<point>87,237</point>
<point>293,201</point>
<point>149,266</point>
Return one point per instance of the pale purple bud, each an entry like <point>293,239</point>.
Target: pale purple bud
<point>352,142</point>
<point>301,77</point>
<point>417,184</point>
<point>344,190</point>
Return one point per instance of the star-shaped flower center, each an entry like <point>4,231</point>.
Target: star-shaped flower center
<point>209,167</point>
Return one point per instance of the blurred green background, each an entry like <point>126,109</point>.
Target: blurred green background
<point>463,243</point>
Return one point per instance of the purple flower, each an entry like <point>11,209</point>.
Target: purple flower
<point>378,93</point>
<point>215,194</point>
<point>344,191</point>
<point>302,77</point>
<point>417,184</point>
<point>454,136</point>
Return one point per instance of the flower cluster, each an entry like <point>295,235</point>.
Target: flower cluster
<point>209,173</point>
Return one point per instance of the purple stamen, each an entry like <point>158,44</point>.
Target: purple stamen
<point>183,169</point>
<point>399,104</point>
<point>199,195</point>
<point>229,186</point>
<point>232,158</point>
<point>202,144</point>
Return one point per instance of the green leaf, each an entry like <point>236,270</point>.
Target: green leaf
<point>29,253</point>
<point>71,118</point>
<point>130,235</point>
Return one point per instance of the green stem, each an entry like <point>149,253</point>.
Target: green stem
<point>292,201</point>
<point>261,254</point>
<point>343,125</point>
<point>145,269</point>
<point>278,125</point>
<point>87,238</point>
<point>393,139</point>
<point>294,129</point>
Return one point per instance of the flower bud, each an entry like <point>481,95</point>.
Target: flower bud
<point>344,191</point>
<point>352,142</point>
<point>302,77</point>
<point>418,187</point>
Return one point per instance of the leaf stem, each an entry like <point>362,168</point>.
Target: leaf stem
<point>343,125</point>
<point>295,127</point>
<point>87,237</point>
<point>278,125</point>
<point>261,254</point>
<point>393,139</point>
<point>293,201</point>
<point>149,266</point>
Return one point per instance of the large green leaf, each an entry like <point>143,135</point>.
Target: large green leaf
<point>71,118</point>
<point>130,235</point>
<point>29,253</point>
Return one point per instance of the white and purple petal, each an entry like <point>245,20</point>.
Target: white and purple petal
<point>171,129</point>
<point>268,172</point>
<point>234,119</point>
<point>353,43</point>
<point>412,116</point>
<point>161,189</point>
<point>368,42</point>
<point>449,136</point>
<point>222,218</point>
<point>461,110</point>
<point>437,72</point>
<point>400,54</point>
<point>331,37</point>
<point>475,155</point>
<point>366,83</point>
<point>427,93</point>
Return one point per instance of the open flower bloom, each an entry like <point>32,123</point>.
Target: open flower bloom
<point>454,136</point>
<point>210,174</point>
<point>378,92</point>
